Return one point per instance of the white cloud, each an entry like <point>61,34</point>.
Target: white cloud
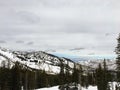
<point>60,24</point>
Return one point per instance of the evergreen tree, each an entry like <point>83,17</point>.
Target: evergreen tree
<point>91,79</point>
<point>16,84</point>
<point>118,59</point>
<point>102,77</point>
<point>61,74</point>
<point>105,75</point>
<point>99,77</point>
<point>80,71</point>
<point>75,74</point>
<point>25,79</point>
<point>5,77</point>
<point>38,82</point>
<point>67,74</point>
<point>31,80</point>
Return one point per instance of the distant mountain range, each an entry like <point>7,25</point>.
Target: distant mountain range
<point>86,57</point>
<point>49,62</point>
<point>93,60</point>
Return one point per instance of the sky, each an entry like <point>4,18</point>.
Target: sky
<point>70,27</point>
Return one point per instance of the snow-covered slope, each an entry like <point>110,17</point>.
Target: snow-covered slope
<point>35,60</point>
<point>48,62</point>
<point>111,64</point>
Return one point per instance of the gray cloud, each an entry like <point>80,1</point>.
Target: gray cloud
<point>1,41</point>
<point>30,43</point>
<point>19,41</point>
<point>77,49</point>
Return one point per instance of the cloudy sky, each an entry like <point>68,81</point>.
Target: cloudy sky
<point>79,27</point>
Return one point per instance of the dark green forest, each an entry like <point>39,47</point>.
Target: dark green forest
<point>20,78</point>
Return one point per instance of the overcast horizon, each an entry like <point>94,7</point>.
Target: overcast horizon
<point>72,27</point>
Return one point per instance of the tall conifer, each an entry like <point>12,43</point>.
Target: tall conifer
<point>118,58</point>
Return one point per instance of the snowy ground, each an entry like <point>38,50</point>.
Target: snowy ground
<point>112,85</point>
<point>90,88</point>
<point>56,88</point>
<point>52,88</point>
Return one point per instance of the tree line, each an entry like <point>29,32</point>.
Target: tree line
<point>18,77</point>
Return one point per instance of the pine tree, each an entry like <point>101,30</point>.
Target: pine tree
<point>118,59</point>
<point>75,74</point>
<point>102,77</point>
<point>105,75</point>
<point>80,72</point>
<point>5,77</point>
<point>99,77</point>
<point>16,85</point>
<point>61,74</point>
<point>67,73</point>
<point>31,80</point>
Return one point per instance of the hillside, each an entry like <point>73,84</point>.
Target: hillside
<point>111,64</point>
<point>35,60</point>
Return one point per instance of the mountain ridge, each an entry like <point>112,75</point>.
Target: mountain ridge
<point>36,59</point>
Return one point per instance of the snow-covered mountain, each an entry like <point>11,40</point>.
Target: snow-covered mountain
<point>35,60</point>
<point>111,64</point>
<point>48,62</point>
